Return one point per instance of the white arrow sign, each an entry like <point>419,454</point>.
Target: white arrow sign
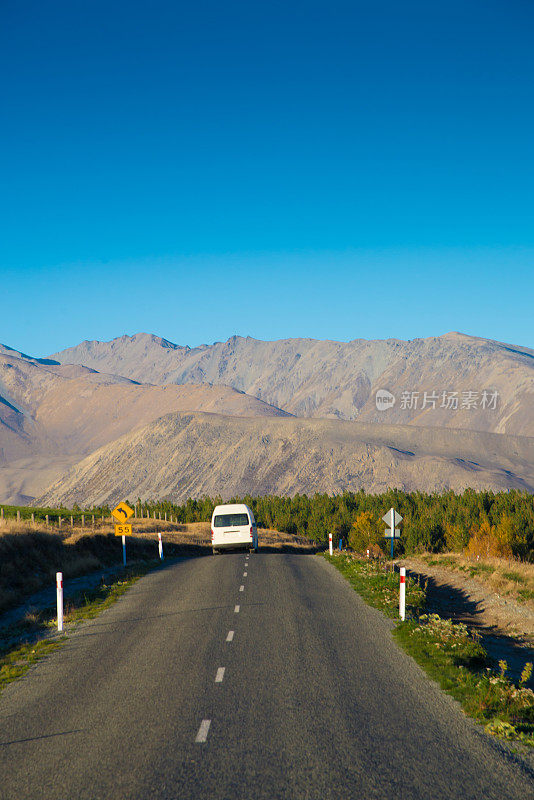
<point>392,518</point>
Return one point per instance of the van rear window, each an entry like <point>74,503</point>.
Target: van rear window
<point>230,520</point>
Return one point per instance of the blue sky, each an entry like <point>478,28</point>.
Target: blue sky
<point>327,169</point>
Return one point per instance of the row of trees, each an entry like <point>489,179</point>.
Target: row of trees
<point>483,522</point>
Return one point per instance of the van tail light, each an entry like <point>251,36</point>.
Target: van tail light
<point>251,531</point>
<point>212,534</point>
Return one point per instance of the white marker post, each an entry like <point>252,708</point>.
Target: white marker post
<point>160,546</point>
<point>402,594</point>
<point>330,548</point>
<point>59,594</point>
<point>124,551</point>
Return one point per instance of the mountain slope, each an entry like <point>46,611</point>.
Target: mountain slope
<point>313,378</point>
<point>51,415</point>
<point>182,455</point>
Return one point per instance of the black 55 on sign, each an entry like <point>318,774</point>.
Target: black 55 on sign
<point>123,530</point>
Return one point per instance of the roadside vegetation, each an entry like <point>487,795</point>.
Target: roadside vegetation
<point>30,555</point>
<point>28,641</point>
<point>453,656</point>
<point>378,583</point>
<point>484,524</point>
<point>510,578</point>
<point>449,652</point>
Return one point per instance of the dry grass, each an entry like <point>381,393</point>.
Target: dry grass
<point>504,576</point>
<point>31,553</point>
<point>108,526</point>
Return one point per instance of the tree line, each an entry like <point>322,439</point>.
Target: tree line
<point>485,523</point>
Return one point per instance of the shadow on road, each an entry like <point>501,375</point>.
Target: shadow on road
<point>38,738</point>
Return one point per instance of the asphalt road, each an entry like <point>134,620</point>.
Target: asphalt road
<point>308,698</point>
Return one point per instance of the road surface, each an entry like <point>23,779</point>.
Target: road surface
<point>233,677</point>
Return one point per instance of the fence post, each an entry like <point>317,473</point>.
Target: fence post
<point>2,513</point>
<point>330,548</point>
<point>18,516</point>
<point>160,546</point>
<point>59,593</point>
<point>33,516</point>
<point>83,520</point>
<point>59,522</point>
<point>46,519</point>
<point>71,521</point>
<point>402,594</point>
<point>93,520</point>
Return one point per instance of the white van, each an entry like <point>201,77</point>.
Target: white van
<point>232,526</point>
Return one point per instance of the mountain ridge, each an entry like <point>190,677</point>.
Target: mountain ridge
<point>52,415</point>
<point>324,378</point>
<point>303,414</point>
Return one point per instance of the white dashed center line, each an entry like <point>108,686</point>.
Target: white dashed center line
<point>202,734</point>
<point>236,610</point>
<point>245,574</point>
<point>230,636</point>
<point>220,675</point>
<point>241,588</point>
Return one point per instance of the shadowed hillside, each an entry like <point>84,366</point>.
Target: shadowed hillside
<point>183,455</point>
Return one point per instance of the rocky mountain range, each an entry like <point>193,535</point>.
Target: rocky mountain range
<point>469,382</point>
<point>141,415</point>
<point>52,415</point>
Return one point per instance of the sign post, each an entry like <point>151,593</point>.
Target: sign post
<point>121,513</point>
<point>330,548</point>
<point>160,546</point>
<point>392,519</point>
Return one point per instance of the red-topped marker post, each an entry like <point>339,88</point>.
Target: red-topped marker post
<point>402,594</point>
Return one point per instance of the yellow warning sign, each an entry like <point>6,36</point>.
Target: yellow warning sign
<point>123,530</point>
<point>122,512</point>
